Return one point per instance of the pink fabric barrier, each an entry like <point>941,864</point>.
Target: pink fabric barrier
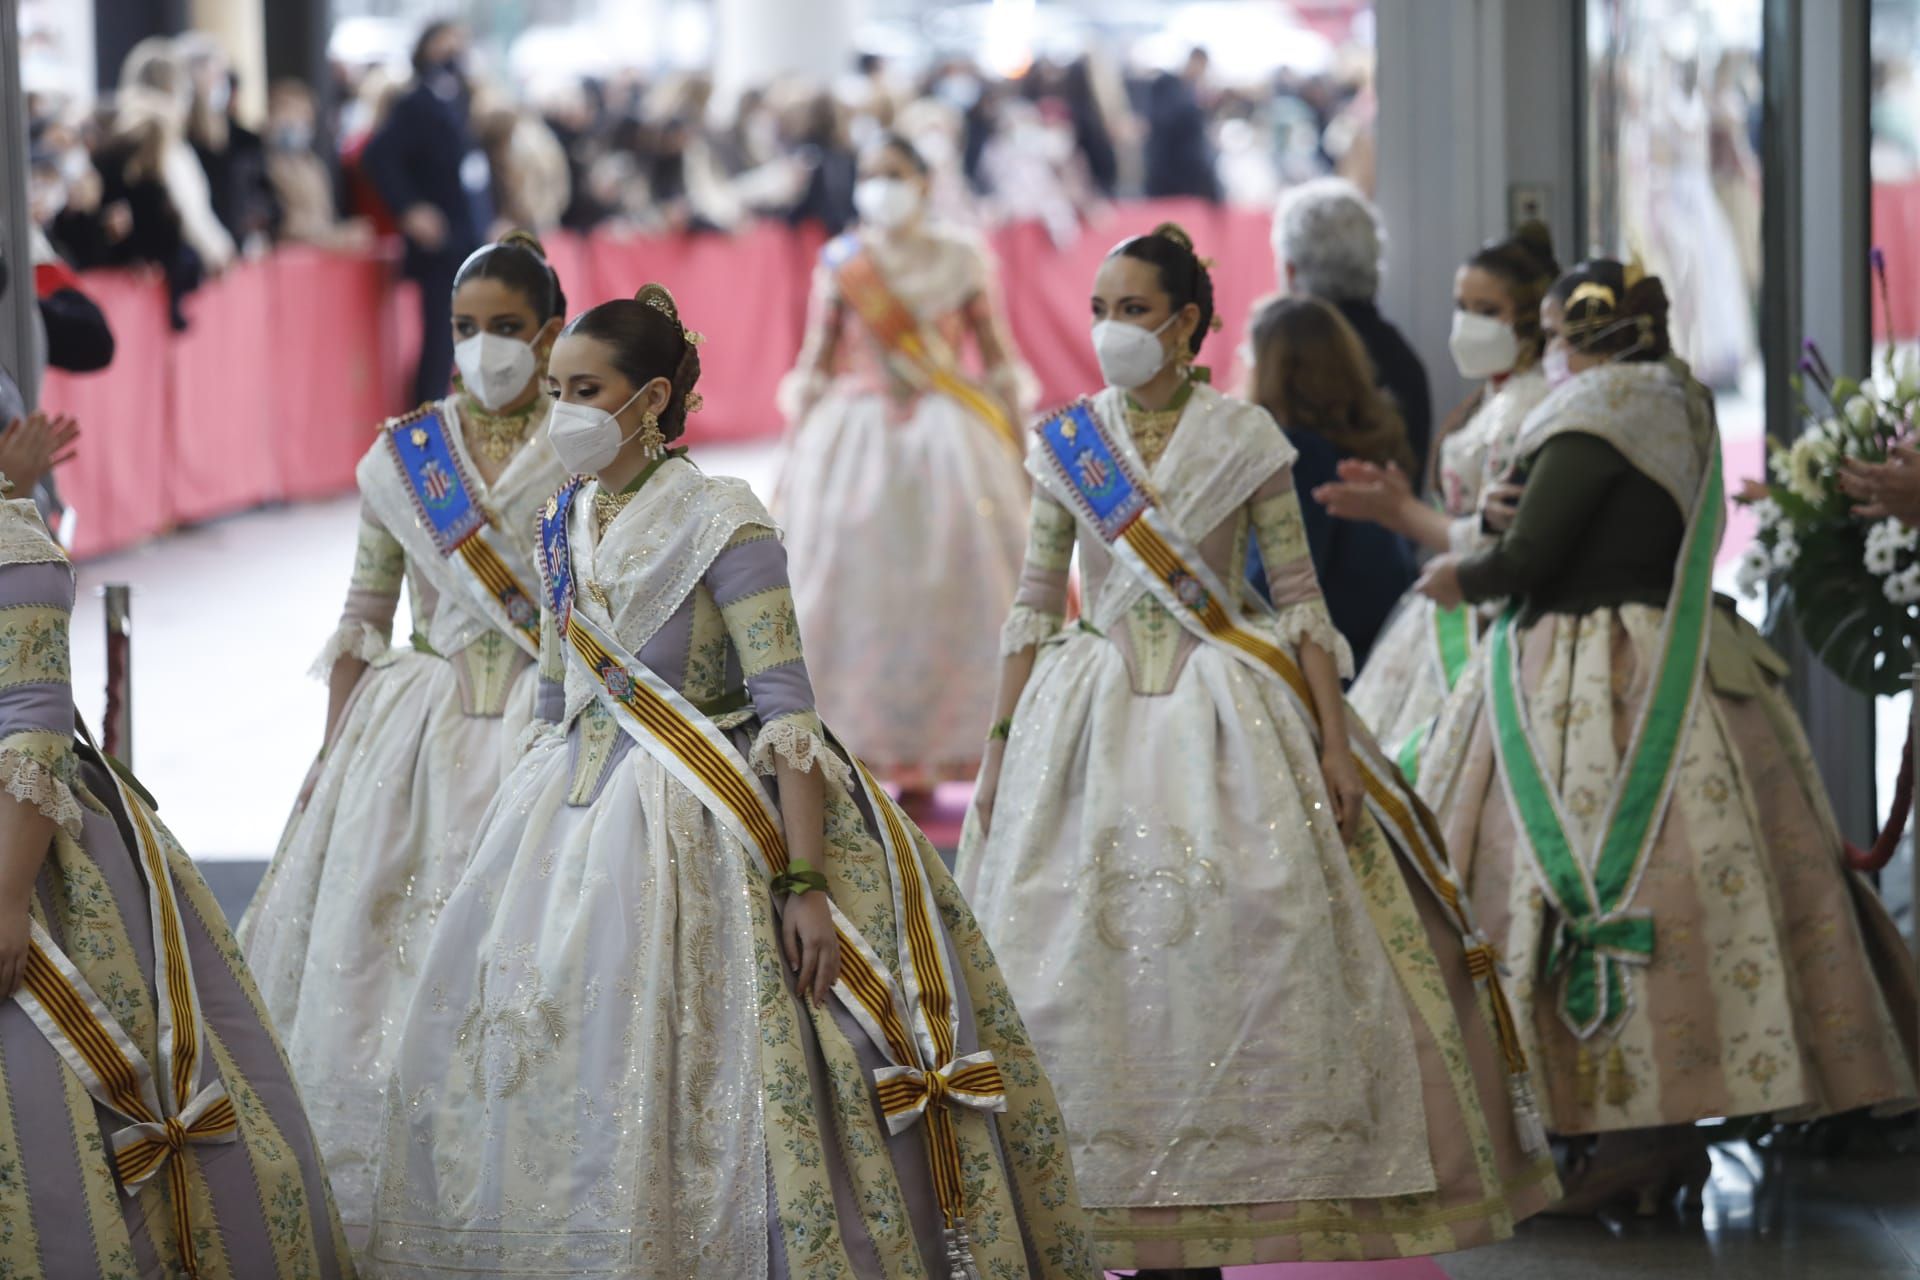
<point>1896,229</point>
<point>292,361</point>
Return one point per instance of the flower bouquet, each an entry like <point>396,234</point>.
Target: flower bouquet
<point>1853,583</point>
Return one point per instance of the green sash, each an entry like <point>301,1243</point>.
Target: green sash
<point>1600,931</point>
<point>1452,636</point>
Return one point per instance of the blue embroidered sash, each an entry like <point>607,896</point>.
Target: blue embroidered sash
<point>442,496</point>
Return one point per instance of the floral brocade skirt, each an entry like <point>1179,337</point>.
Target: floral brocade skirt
<point>1776,984</point>
<point>904,540</point>
<point>1266,1042</point>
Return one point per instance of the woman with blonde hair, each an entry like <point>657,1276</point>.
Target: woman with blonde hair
<point>1311,373</point>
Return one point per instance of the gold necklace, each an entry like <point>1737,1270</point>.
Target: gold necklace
<point>608,505</point>
<point>1152,429</point>
<point>497,436</point>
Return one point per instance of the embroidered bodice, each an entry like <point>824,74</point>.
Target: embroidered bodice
<point>37,762</point>
<point>730,645</point>
<point>1153,643</point>
<point>946,279</point>
<point>486,661</point>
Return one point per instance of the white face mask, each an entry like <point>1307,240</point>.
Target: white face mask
<point>1129,355</point>
<point>494,370</point>
<point>586,437</point>
<point>1482,346</point>
<point>1554,365</point>
<point>887,203</point>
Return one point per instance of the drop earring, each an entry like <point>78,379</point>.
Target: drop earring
<point>652,442</point>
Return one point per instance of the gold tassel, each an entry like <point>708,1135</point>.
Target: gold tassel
<point>1583,1081</point>
<point>1619,1083</point>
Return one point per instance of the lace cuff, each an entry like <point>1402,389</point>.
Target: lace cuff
<point>1307,620</point>
<point>39,769</point>
<point>360,640</point>
<point>532,733</point>
<point>1027,628</point>
<point>798,739</point>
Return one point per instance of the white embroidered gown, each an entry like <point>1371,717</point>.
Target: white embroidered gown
<point>902,512</point>
<point>336,930</point>
<point>1265,1044</point>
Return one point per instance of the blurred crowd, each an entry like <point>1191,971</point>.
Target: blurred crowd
<point>163,170</point>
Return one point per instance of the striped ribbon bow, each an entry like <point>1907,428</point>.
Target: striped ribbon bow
<point>906,1093</point>
<point>141,1150</point>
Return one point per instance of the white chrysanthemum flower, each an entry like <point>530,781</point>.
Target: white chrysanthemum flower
<point>1904,586</point>
<point>1786,547</point>
<point>1751,575</point>
<point>1906,379</point>
<point>1862,415</point>
<point>1767,512</point>
<point>1808,463</point>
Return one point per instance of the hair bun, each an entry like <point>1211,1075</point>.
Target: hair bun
<point>1175,232</point>
<point>1647,297</point>
<point>657,296</point>
<point>1536,238</point>
<point>526,240</point>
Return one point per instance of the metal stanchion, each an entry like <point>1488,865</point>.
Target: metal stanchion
<point>117,725</point>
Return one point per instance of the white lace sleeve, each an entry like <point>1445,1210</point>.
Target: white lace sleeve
<point>797,739</point>
<point>1027,627</point>
<point>1308,620</point>
<point>38,769</point>
<point>354,639</point>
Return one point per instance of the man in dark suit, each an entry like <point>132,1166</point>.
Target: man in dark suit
<point>434,176</point>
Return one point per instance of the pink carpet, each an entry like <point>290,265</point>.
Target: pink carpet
<point>1398,1269</point>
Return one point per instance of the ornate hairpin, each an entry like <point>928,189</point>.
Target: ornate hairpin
<point>1592,291</point>
<point>694,337</point>
<point>695,402</point>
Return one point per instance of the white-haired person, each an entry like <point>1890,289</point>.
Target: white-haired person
<point>1328,243</point>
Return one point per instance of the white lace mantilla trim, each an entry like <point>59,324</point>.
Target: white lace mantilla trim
<point>796,740</point>
<point>531,734</point>
<point>1026,628</point>
<point>1307,620</point>
<point>29,779</point>
<point>353,640</point>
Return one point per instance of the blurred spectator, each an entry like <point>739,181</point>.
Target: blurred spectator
<point>302,185</point>
<point>234,157</point>
<point>1327,243</point>
<point>1092,132</point>
<point>1180,155</point>
<point>133,169</point>
<point>435,178</point>
<point>819,130</point>
<point>156,98</point>
<point>372,102</point>
<point>1032,171</point>
<point>531,183</point>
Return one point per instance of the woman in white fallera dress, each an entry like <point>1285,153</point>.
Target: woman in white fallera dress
<point>1496,336</point>
<point>1238,951</point>
<point>901,491</point>
<point>419,736</point>
<point>648,1036</point>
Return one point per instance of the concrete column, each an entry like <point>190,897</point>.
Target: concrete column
<point>240,27</point>
<point>1817,228</point>
<point>755,40</point>
<point>17,306</point>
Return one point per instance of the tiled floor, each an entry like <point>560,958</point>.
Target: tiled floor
<point>228,616</point>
